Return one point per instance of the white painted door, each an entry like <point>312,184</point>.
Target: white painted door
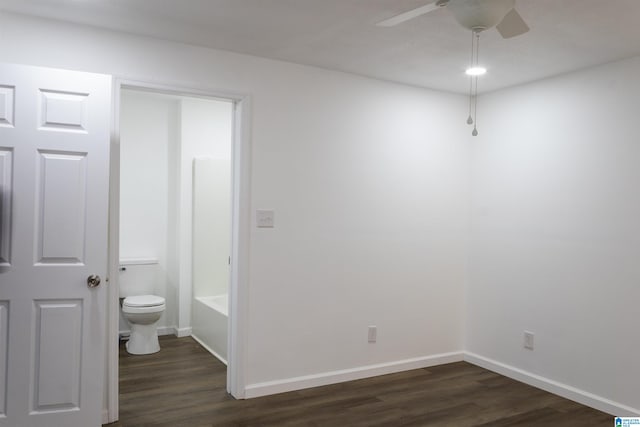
<point>54,166</point>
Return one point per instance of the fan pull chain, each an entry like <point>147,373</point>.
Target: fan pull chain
<point>470,119</point>
<point>475,89</point>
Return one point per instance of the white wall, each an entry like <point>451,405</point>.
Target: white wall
<point>556,230</point>
<point>149,127</point>
<point>368,181</point>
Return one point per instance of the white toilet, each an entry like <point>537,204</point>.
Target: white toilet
<point>143,312</point>
<point>141,309</point>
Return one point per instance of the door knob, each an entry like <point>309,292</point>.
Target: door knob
<point>93,281</point>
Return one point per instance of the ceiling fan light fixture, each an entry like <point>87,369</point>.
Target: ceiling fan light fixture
<point>476,71</point>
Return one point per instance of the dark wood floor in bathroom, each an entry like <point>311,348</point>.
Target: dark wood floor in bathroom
<point>184,386</point>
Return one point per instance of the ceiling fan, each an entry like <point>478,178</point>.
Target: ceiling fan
<point>475,15</point>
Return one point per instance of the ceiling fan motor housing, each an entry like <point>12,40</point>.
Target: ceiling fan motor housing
<point>480,15</point>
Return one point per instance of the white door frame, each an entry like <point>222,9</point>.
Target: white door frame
<point>240,223</point>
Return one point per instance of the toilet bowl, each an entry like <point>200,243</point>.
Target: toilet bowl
<point>143,312</point>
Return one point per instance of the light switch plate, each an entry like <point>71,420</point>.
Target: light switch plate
<point>528,340</point>
<point>265,218</point>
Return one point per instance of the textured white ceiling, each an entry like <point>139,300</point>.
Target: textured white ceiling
<point>429,51</point>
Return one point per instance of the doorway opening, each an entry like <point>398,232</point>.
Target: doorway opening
<point>175,212</point>
<point>179,226</point>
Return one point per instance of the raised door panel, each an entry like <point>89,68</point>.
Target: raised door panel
<point>56,369</point>
<point>6,191</point>
<point>61,207</point>
<point>7,106</point>
<point>63,111</point>
<point>4,336</point>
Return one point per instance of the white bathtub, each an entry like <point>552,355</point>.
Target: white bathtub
<point>210,320</point>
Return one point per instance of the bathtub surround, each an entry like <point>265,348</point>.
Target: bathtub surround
<point>211,225</point>
<point>371,184</point>
<point>206,132</point>
<point>211,251</point>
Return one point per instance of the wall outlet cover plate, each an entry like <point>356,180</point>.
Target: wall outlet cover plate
<point>265,218</point>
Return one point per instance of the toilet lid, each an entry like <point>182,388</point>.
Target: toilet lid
<point>143,301</point>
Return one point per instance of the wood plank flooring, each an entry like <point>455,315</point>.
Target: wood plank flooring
<point>184,386</point>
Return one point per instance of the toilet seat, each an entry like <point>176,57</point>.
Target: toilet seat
<point>143,304</point>
<point>143,301</point>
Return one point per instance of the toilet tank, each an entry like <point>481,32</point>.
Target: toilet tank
<point>138,276</point>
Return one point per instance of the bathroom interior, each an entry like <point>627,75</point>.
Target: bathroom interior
<point>175,219</point>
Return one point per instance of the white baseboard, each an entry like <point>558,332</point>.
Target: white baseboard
<point>182,332</point>
<point>333,377</point>
<point>566,391</point>
<point>166,330</point>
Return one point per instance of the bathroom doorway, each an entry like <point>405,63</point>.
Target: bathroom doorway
<point>180,169</point>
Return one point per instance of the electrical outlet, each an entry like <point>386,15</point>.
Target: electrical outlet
<point>265,218</point>
<point>528,340</point>
<point>373,333</point>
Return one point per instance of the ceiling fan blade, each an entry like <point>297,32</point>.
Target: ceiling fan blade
<point>414,13</point>
<point>512,25</point>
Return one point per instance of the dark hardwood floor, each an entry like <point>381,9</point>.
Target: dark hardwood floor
<point>184,385</point>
